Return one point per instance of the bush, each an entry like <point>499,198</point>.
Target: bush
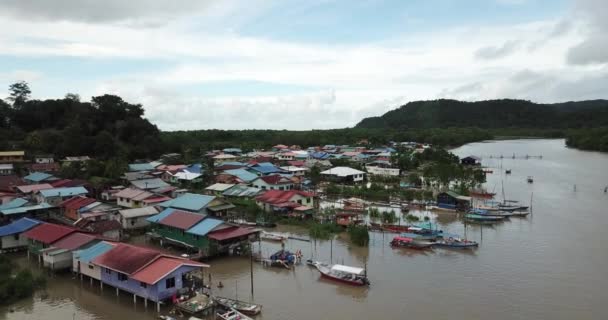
<point>359,235</point>
<point>323,231</point>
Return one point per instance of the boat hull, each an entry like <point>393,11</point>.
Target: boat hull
<point>337,279</point>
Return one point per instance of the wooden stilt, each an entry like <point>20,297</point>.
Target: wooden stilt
<point>117,292</point>
<point>145,303</point>
<point>101,285</point>
<point>91,281</point>
<point>158,307</point>
<point>134,299</point>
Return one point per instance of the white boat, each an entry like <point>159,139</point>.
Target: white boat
<point>232,315</point>
<point>344,274</point>
<point>270,236</point>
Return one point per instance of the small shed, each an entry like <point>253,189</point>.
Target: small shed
<point>453,201</point>
<point>471,161</point>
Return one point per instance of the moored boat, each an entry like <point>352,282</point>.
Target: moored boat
<point>483,218</point>
<point>247,308</point>
<point>344,274</point>
<point>481,194</point>
<point>456,243</point>
<point>410,243</point>
<point>394,228</point>
<point>231,314</point>
<point>530,179</point>
<point>270,236</point>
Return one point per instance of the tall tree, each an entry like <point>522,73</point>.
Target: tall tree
<point>19,93</point>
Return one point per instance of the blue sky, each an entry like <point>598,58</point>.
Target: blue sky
<point>234,64</point>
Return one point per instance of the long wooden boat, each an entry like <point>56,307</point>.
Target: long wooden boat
<point>417,236</point>
<point>247,308</point>
<point>269,236</point>
<point>456,243</point>
<point>410,243</point>
<point>344,274</point>
<point>394,228</point>
<point>479,217</point>
<point>231,314</point>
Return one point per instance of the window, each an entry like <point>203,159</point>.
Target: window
<point>281,188</point>
<point>91,267</point>
<point>170,283</point>
<point>132,222</point>
<point>143,284</point>
<point>307,200</point>
<point>300,201</point>
<point>16,236</point>
<point>122,277</point>
<point>108,271</point>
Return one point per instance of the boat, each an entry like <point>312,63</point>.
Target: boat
<point>530,179</point>
<point>483,218</point>
<point>508,171</point>
<point>244,223</point>
<point>270,236</point>
<point>282,258</point>
<point>456,243</point>
<point>481,194</point>
<point>243,307</point>
<point>410,243</point>
<point>520,213</point>
<point>261,222</point>
<point>231,314</point>
<point>394,228</point>
<point>417,236</point>
<point>344,274</point>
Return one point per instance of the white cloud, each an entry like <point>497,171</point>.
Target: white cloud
<point>350,81</point>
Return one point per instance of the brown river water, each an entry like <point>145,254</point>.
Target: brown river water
<point>551,265</point>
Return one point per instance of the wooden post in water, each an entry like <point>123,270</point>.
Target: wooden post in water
<point>331,250</point>
<point>251,266</point>
<point>531,196</point>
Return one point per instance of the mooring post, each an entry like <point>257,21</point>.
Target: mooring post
<point>117,292</point>
<point>134,299</point>
<point>158,306</point>
<point>101,285</point>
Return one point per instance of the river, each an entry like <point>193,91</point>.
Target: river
<point>550,265</point>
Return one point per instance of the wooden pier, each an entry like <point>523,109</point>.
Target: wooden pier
<point>514,156</point>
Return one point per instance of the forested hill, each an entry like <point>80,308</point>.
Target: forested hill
<point>105,127</point>
<point>492,114</point>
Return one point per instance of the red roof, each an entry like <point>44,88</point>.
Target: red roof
<point>48,233</point>
<point>99,227</point>
<point>161,267</point>
<point>279,196</point>
<point>182,220</point>
<point>77,202</point>
<point>74,241</point>
<point>7,183</point>
<point>126,258</point>
<point>225,167</point>
<point>44,166</point>
<point>275,179</point>
<point>297,163</point>
<point>231,233</point>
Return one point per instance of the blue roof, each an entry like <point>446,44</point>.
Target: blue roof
<point>133,167</point>
<point>15,203</point>
<point>205,226</point>
<point>320,155</point>
<point>195,168</point>
<point>25,209</point>
<point>242,174</point>
<point>267,169</point>
<point>188,201</point>
<point>18,226</point>
<point>86,255</point>
<point>264,164</point>
<point>161,215</point>
<point>233,150</point>
<point>148,184</point>
<point>37,176</point>
<point>233,163</point>
<point>64,192</point>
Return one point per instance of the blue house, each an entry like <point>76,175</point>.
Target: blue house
<point>38,177</point>
<point>143,272</point>
<point>10,234</point>
<point>265,168</point>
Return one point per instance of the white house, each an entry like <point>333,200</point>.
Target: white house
<point>273,182</point>
<point>296,171</point>
<point>57,195</point>
<point>81,259</point>
<point>377,170</point>
<point>6,169</point>
<point>44,159</point>
<point>135,218</point>
<point>132,197</point>
<point>344,174</point>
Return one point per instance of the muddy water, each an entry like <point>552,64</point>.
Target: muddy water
<point>551,265</point>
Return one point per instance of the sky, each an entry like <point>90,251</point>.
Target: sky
<point>299,65</point>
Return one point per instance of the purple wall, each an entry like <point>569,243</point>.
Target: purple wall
<point>152,292</point>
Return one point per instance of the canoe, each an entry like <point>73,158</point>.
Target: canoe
<point>269,236</point>
<point>479,217</point>
<point>344,274</point>
<point>249,309</point>
<point>456,244</point>
<point>231,315</point>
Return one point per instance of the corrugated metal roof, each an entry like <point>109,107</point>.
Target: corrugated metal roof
<point>279,196</point>
<point>205,226</point>
<point>34,187</point>
<point>242,174</point>
<point>25,209</point>
<point>163,214</point>
<point>18,226</point>
<point>138,212</point>
<point>134,194</point>
<point>134,167</point>
<point>12,153</point>
<point>77,202</point>
<point>221,207</point>
<point>37,176</point>
<point>220,187</point>
<point>64,192</point>
<point>86,255</point>
<point>126,258</point>
<point>147,184</point>
<point>188,201</point>
<point>162,267</point>
<point>242,191</point>
<point>15,203</point>
<point>48,233</point>
<point>74,241</point>
<point>232,233</point>
<point>342,171</point>
<point>182,219</point>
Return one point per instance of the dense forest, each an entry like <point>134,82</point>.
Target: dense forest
<point>105,127</point>
<point>492,114</point>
